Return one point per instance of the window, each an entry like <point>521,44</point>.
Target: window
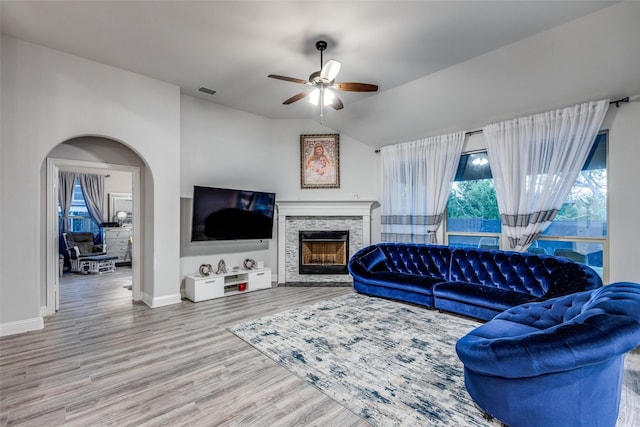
<point>473,218</point>
<point>79,217</point>
<point>579,231</point>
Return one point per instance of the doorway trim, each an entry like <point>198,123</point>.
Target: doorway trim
<point>52,248</point>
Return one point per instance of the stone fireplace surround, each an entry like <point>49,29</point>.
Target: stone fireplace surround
<point>295,216</point>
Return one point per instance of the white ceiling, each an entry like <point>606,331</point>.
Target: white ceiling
<point>231,47</point>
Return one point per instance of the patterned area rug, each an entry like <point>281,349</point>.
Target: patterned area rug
<point>390,363</point>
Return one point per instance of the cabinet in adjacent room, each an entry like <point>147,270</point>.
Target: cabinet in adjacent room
<point>118,242</point>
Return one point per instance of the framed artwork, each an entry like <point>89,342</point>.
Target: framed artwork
<point>320,161</point>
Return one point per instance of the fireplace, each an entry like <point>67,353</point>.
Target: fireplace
<point>323,252</point>
<point>296,216</point>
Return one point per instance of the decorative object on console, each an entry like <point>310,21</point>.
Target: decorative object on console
<point>122,215</point>
<point>557,362</point>
<point>222,267</point>
<point>249,264</point>
<point>205,270</point>
<point>320,161</point>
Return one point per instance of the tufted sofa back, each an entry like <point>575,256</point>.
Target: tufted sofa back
<point>541,276</point>
<point>409,258</point>
<point>516,271</point>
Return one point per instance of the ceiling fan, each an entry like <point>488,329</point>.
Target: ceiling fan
<point>322,82</point>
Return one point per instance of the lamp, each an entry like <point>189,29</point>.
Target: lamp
<point>326,94</point>
<point>121,215</point>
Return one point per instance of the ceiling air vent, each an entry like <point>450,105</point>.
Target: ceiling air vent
<point>206,90</point>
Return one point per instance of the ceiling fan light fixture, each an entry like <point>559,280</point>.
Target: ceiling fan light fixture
<point>314,96</point>
<point>321,82</point>
<point>327,96</point>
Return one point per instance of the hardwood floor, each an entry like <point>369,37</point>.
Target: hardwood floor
<point>103,360</point>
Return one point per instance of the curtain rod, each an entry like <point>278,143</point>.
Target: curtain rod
<point>468,133</point>
<point>624,100</point>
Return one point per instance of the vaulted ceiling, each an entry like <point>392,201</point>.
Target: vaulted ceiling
<point>440,65</point>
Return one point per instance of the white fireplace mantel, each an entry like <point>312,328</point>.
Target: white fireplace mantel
<point>320,208</point>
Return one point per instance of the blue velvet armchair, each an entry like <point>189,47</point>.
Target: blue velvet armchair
<point>557,362</point>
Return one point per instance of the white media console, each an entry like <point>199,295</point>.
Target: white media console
<point>201,288</point>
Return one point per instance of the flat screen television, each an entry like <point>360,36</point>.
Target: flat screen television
<point>226,214</point>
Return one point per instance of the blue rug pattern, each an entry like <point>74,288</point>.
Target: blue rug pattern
<point>391,363</point>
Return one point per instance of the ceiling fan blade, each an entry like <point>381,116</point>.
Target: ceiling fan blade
<point>297,97</point>
<point>288,79</point>
<point>330,70</point>
<point>337,103</point>
<point>355,87</point>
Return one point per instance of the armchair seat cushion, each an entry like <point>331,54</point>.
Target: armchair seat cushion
<point>98,258</point>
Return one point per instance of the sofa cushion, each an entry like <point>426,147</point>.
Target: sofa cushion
<point>483,296</point>
<point>413,282</point>
<point>373,260</point>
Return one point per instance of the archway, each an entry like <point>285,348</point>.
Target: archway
<point>94,153</point>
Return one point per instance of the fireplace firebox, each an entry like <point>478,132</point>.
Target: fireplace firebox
<point>323,252</point>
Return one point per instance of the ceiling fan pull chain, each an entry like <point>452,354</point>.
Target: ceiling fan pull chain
<point>321,102</point>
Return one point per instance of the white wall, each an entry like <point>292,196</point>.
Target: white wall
<point>49,97</point>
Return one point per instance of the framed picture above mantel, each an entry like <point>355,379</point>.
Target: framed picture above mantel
<point>320,161</point>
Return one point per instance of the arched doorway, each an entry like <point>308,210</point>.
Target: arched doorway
<point>95,153</point>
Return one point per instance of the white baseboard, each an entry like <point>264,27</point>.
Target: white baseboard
<point>20,326</point>
<point>155,302</point>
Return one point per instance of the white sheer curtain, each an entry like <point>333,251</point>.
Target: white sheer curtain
<point>93,191</point>
<point>535,161</point>
<point>66,181</point>
<point>416,177</point>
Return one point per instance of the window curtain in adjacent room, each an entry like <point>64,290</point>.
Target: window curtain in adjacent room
<point>93,191</point>
<point>416,178</point>
<point>535,161</point>
<point>66,182</point>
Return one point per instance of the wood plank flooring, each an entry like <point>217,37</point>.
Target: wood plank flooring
<point>103,360</point>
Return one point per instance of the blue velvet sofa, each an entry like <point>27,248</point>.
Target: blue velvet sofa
<point>479,283</point>
<point>558,362</point>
